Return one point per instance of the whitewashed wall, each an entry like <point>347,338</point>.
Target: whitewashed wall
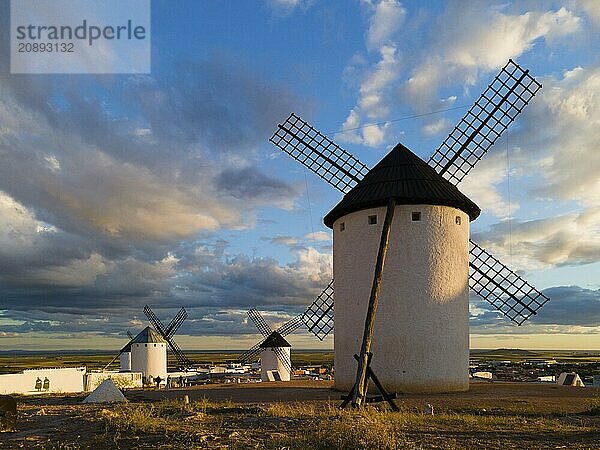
<point>64,380</point>
<point>421,336</point>
<point>269,362</point>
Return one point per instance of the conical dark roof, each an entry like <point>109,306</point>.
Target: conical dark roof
<point>147,335</point>
<point>404,176</point>
<point>274,340</point>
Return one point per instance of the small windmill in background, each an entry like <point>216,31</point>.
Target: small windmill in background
<point>167,333</point>
<point>422,338</point>
<point>274,350</point>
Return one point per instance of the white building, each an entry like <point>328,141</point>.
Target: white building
<point>275,358</point>
<point>483,375</point>
<point>63,380</point>
<point>149,354</point>
<point>125,358</point>
<point>421,335</point>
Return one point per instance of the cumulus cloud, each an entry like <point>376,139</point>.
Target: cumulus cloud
<point>568,239</point>
<point>473,39</point>
<point>568,143</point>
<point>284,8</point>
<point>377,80</point>
<point>318,236</point>
<point>384,23</point>
<point>288,241</point>
<point>592,8</point>
<point>484,184</point>
<point>436,127</point>
<point>80,177</point>
<point>557,163</point>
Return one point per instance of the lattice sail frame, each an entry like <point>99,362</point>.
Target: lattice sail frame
<point>287,328</point>
<point>497,107</point>
<point>318,153</point>
<point>259,322</point>
<point>169,332</point>
<point>318,317</point>
<point>501,287</point>
<point>478,130</point>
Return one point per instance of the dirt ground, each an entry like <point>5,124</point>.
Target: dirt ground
<point>64,422</point>
<point>481,394</point>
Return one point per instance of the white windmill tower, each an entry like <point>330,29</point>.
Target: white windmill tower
<point>275,358</point>
<point>149,354</point>
<point>274,350</point>
<point>410,216</point>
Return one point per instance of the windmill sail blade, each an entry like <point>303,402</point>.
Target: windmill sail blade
<point>291,326</point>
<point>319,154</point>
<point>283,358</point>
<point>318,317</point>
<point>260,322</point>
<point>501,287</point>
<point>176,323</point>
<point>184,361</point>
<point>129,335</point>
<point>252,353</point>
<point>496,108</point>
<point>154,320</point>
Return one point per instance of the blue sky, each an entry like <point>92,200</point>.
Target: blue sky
<point>122,190</point>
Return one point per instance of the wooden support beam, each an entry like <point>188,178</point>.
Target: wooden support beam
<point>360,387</point>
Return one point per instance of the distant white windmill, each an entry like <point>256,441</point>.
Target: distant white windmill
<point>409,216</point>
<point>274,350</point>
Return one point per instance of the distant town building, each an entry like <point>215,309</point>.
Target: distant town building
<point>547,378</point>
<point>484,375</point>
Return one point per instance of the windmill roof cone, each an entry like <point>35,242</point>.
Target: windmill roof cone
<point>409,180</point>
<point>274,340</point>
<point>147,336</point>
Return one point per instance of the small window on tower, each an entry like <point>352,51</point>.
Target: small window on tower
<point>372,220</point>
<point>458,220</point>
<point>342,226</point>
<point>416,216</point>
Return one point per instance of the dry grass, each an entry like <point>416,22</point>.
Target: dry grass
<point>324,426</point>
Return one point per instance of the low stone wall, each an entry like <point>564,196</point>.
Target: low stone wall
<point>123,380</point>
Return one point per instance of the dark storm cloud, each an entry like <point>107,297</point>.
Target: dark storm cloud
<point>105,296</point>
<point>106,181</point>
<point>571,305</point>
<point>250,184</point>
<point>568,306</point>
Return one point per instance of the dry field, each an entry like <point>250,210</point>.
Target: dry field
<point>304,415</point>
